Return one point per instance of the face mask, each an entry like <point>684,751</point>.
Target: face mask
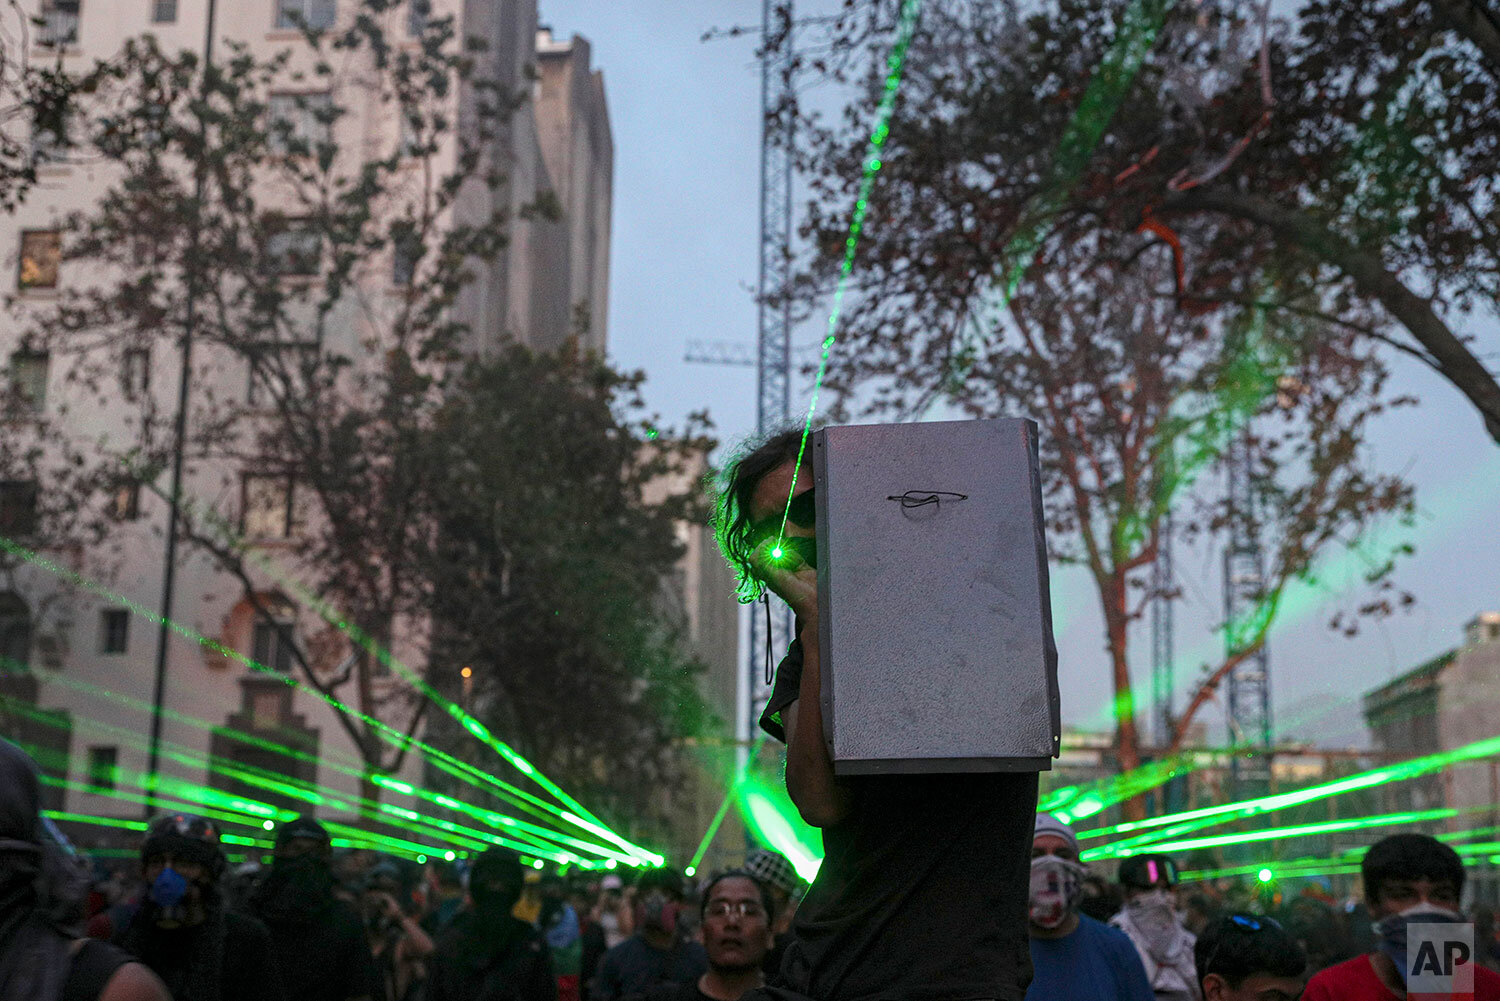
<point>1055,885</point>
<point>658,912</point>
<point>1392,930</point>
<point>168,892</point>
<point>1154,916</point>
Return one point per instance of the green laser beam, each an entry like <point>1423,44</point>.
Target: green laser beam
<point>470,724</point>
<point>495,819</point>
<point>319,796</point>
<point>894,63</point>
<point>1102,97</point>
<point>384,730</point>
<point>729,798</point>
<point>1414,768</point>
<point>1274,833</point>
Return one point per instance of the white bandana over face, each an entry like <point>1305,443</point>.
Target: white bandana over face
<point>1056,884</point>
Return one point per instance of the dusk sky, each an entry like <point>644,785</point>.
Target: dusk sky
<point>686,127</point>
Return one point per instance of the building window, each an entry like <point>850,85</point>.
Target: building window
<point>49,142</point>
<point>408,145</point>
<point>269,648</point>
<point>417,16</point>
<point>125,502</point>
<point>18,508</point>
<point>164,12</point>
<point>135,372</point>
<point>104,768</point>
<point>41,252</point>
<point>59,22</point>
<point>403,261</point>
<point>267,505</point>
<point>114,630</point>
<point>28,380</point>
<point>316,14</point>
<point>300,124</point>
<point>293,250</point>
<point>15,634</point>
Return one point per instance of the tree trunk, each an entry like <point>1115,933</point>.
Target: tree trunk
<point>1127,738</point>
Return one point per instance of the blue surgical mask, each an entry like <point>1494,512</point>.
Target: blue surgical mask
<point>1391,930</point>
<point>168,889</point>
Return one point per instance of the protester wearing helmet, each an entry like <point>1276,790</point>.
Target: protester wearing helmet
<point>1072,955</point>
<point>1150,919</point>
<point>182,930</point>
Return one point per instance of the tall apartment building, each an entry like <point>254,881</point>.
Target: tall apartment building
<point>93,649</point>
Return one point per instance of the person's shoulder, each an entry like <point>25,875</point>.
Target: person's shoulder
<point>1094,928</point>
<point>1486,984</point>
<point>240,927</point>
<point>692,947</point>
<point>134,981</point>
<point>1340,976</point>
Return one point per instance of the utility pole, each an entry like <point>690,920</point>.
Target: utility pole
<point>774,342</point>
<point>179,431</point>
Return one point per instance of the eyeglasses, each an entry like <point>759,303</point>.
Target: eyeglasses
<point>802,511</point>
<point>740,908</point>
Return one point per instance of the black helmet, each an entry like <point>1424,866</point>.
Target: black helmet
<point>185,836</point>
<point>1145,871</point>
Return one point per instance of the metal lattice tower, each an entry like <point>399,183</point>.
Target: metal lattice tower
<point>1162,640</point>
<point>1244,589</point>
<point>774,343</point>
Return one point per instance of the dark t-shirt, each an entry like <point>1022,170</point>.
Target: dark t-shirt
<point>328,958</point>
<point>922,894</point>
<point>249,970</point>
<point>673,992</point>
<point>633,967</point>
<point>1092,963</point>
<point>508,963</point>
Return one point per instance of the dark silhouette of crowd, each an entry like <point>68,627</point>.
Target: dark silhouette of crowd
<point>314,922</point>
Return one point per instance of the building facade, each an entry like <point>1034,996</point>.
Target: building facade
<point>1447,703</point>
<point>76,629</point>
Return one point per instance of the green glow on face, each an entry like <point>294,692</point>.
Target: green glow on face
<point>894,62</point>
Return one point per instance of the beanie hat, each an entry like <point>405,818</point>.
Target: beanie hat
<point>1048,824</point>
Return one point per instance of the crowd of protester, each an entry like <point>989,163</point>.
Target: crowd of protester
<point>323,924</point>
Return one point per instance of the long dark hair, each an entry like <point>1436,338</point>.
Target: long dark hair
<point>736,486</point>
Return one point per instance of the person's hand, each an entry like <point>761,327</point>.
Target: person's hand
<point>391,908</point>
<point>789,577</point>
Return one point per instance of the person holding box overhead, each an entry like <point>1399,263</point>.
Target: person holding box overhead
<point>923,890</point>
